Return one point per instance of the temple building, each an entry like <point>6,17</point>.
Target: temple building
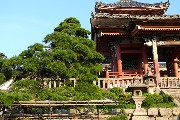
<point>137,38</point>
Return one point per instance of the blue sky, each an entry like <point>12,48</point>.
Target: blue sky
<point>25,22</point>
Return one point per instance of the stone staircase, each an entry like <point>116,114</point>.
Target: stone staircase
<point>6,85</point>
<point>175,92</point>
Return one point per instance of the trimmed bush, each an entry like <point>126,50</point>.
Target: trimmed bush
<point>155,100</point>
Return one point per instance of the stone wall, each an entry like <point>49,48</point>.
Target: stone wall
<point>154,114</point>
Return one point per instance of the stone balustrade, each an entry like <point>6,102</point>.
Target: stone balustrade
<point>166,82</point>
<point>113,82</point>
<point>102,82</point>
<point>170,82</point>
<point>56,83</point>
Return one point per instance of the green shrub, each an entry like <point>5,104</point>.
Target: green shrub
<point>87,91</point>
<point>120,117</point>
<point>117,94</point>
<point>26,86</point>
<point>116,90</point>
<point>126,106</point>
<point>167,98</point>
<point>155,100</point>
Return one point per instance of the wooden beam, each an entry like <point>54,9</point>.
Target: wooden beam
<point>130,45</point>
<point>166,43</point>
<point>131,51</point>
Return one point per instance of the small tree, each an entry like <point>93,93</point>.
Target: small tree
<point>73,54</point>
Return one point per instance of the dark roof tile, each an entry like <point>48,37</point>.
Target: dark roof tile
<point>131,3</point>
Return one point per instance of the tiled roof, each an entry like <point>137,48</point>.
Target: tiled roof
<point>131,3</point>
<point>110,22</point>
<point>149,17</point>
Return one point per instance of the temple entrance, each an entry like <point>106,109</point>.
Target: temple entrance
<point>131,64</point>
<point>130,61</point>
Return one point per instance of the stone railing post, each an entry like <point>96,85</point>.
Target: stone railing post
<point>113,83</point>
<point>118,83</point>
<point>50,84</point>
<point>108,83</point>
<point>99,83</point>
<point>55,85</point>
<point>104,84</point>
<point>94,82</point>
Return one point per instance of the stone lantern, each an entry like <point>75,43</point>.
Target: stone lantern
<point>136,88</point>
<point>150,79</point>
<point>137,94</point>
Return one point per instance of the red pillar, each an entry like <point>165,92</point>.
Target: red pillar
<point>145,59</point>
<point>119,60</point>
<point>176,67</point>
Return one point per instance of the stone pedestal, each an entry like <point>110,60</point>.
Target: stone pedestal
<point>138,101</point>
<point>140,114</point>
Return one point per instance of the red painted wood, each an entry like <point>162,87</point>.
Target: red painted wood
<point>145,59</point>
<point>114,67</point>
<point>131,51</point>
<point>156,69</point>
<point>119,59</point>
<point>130,45</point>
<point>176,67</point>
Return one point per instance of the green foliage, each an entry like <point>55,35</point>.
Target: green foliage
<point>26,86</point>
<point>116,93</point>
<point>32,61</point>
<point>73,54</point>
<point>2,78</point>
<point>72,27</point>
<point>87,91</point>
<point>12,67</point>
<point>128,105</point>
<point>56,94</point>
<point>23,90</point>
<point>155,100</point>
<point>49,94</point>
<point>70,54</point>
<point>8,98</point>
<point>119,117</point>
